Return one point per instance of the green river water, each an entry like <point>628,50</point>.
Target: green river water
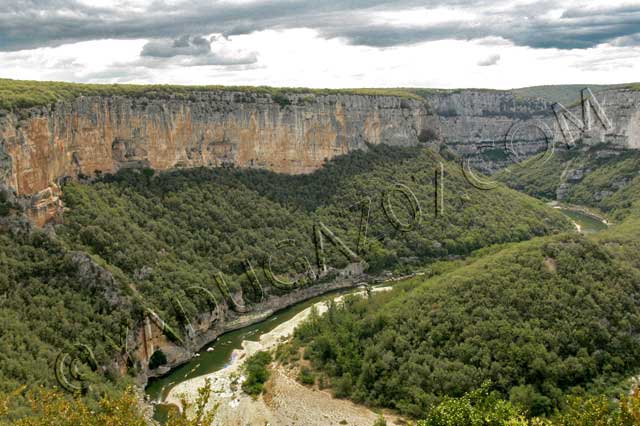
<point>588,224</point>
<point>220,356</point>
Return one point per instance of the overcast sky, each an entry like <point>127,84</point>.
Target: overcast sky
<point>322,43</point>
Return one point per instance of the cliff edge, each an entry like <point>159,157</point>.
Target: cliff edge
<point>41,147</point>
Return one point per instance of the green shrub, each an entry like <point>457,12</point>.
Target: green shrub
<point>478,408</point>
<point>427,135</point>
<point>281,100</point>
<point>484,408</point>
<point>306,377</point>
<point>256,373</point>
<point>5,204</point>
<point>380,421</point>
<point>343,386</point>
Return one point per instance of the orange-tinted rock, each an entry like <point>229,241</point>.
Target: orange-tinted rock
<point>92,135</point>
<point>46,206</point>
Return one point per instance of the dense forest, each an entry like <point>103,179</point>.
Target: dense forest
<point>540,319</point>
<point>510,296</point>
<point>601,177</point>
<point>168,232</point>
<point>47,305</point>
<point>140,239</point>
<point>544,320</point>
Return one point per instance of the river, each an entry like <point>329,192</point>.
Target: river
<point>216,359</point>
<point>222,348</point>
<point>585,223</point>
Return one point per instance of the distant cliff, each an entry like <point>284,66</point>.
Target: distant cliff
<point>296,133</point>
<point>485,124</point>
<point>289,132</point>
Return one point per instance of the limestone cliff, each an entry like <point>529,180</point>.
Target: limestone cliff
<point>295,133</point>
<point>475,121</point>
<point>41,147</point>
<point>149,337</point>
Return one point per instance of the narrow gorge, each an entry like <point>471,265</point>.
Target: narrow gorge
<point>86,138</point>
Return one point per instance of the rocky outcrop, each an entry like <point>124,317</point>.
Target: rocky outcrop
<point>622,107</point>
<point>475,121</point>
<point>150,333</point>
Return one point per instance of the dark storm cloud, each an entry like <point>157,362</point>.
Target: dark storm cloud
<point>185,45</point>
<point>583,27</point>
<point>190,51</point>
<point>28,24</point>
<point>388,36</point>
<point>35,23</point>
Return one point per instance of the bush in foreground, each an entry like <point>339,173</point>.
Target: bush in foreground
<point>485,408</point>
<point>51,407</point>
<point>256,372</point>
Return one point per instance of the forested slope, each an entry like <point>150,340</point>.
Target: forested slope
<point>599,176</point>
<point>185,226</point>
<point>50,299</point>
<point>140,239</point>
<point>541,319</point>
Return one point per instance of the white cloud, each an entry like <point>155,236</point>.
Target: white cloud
<point>288,56</point>
<point>70,62</point>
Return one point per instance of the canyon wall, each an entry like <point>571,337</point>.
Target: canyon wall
<point>209,326</point>
<point>149,335</point>
<point>41,147</point>
<point>494,128</point>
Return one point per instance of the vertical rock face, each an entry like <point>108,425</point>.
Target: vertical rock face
<point>470,118</point>
<point>473,121</point>
<point>622,107</point>
<point>297,133</point>
<point>94,135</point>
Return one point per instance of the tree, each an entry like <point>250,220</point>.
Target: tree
<point>195,414</point>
